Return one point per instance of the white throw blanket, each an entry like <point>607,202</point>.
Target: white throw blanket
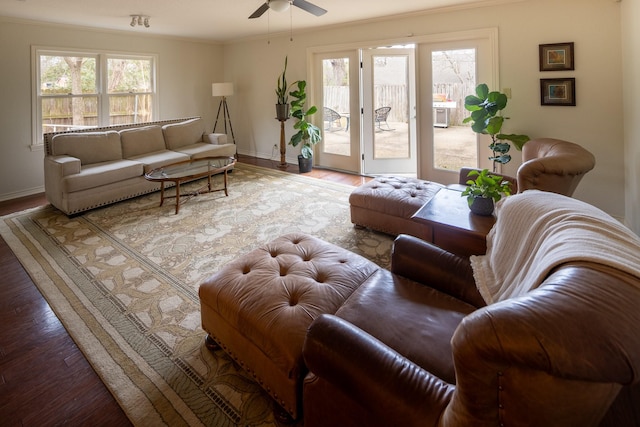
<point>536,231</point>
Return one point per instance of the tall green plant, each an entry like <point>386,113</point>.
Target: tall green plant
<point>282,89</point>
<point>487,119</point>
<point>308,134</point>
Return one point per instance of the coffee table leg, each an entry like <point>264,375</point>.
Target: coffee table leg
<point>161,193</point>
<point>226,193</point>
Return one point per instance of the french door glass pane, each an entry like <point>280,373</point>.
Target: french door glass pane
<point>454,77</point>
<point>391,107</point>
<point>336,106</point>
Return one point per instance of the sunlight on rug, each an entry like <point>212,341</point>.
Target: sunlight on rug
<point>124,281</point>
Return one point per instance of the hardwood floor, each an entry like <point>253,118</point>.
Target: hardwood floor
<point>44,378</point>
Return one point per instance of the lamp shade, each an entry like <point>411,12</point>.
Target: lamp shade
<point>279,5</point>
<point>222,89</point>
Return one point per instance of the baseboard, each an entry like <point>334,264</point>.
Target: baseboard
<point>19,194</point>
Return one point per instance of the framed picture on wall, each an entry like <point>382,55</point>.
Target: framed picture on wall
<point>556,56</point>
<point>558,91</point>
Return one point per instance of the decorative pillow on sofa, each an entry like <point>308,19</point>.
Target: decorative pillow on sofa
<point>143,140</point>
<point>89,147</point>
<point>178,135</point>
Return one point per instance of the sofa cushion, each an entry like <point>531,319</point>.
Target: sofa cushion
<point>96,175</point>
<point>204,149</point>
<point>178,135</point>
<point>415,320</point>
<point>159,159</point>
<point>142,140</point>
<point>89,147</point>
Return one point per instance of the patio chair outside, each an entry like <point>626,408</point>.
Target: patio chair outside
<point>380,115</point>
<point>333,120</point>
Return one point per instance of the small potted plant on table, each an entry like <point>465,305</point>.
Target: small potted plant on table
<point>483,191</point>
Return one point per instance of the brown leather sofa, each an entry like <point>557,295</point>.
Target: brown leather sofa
<point>418,346</point>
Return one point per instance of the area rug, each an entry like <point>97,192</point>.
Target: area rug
<point>124,279</point>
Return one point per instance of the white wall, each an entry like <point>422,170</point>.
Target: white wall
<point>631,71</point>
<point>595,123</point>
<point>186,70</point>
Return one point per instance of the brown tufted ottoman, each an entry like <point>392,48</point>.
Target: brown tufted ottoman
<point>387,204</point>
<point>258,307</point>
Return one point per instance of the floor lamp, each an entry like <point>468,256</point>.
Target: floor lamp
<point>223,90</point>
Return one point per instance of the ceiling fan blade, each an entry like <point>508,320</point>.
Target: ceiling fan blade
<point>309,7</point>
<point>258,13</point>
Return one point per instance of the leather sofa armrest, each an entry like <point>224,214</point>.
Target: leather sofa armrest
<point>215,138</point>
<point>357,363</point>
<point>423,262</point>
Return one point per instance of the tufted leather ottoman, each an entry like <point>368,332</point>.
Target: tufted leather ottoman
<point>258,307</point>
<point>387,204</point>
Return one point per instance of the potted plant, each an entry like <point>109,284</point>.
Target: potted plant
<point>307,133</point>
<point>484,191</point>
<point>487,119</point>
<point>282,103</point>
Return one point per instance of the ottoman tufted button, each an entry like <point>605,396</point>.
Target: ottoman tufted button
<point>321,277</point>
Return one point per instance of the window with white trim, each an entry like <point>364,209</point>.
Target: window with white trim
<point>79,89</point>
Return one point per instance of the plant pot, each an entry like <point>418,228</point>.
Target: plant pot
<point>482,206</point>
<point>282,112</point>
<point>305,165</point>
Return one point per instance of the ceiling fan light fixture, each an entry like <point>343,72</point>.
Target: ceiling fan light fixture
<point>279,5</point>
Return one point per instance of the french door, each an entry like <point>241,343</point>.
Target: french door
<point>452,70</point>
<point>338,102</point>
<point>389,111</point>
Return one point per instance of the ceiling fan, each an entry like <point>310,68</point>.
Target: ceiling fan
<point>282,5</point>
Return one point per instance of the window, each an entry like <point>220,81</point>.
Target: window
<point>76,90</point>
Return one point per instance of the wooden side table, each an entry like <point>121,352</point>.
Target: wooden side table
<point>455,228</point>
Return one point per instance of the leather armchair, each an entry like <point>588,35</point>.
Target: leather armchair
<point>417,346</point>
<point>548,164</point>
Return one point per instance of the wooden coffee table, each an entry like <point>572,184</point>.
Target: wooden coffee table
<point>454,227</point>
<point>189,170</point>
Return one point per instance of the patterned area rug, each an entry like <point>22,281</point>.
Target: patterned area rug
<point>124,281</point>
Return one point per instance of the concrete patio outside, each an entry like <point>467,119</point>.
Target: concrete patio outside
<point>454,146</point>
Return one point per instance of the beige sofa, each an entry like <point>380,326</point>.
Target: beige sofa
<point>88,168</point>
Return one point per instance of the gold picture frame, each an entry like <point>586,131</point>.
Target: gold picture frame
<point>556,57</point>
